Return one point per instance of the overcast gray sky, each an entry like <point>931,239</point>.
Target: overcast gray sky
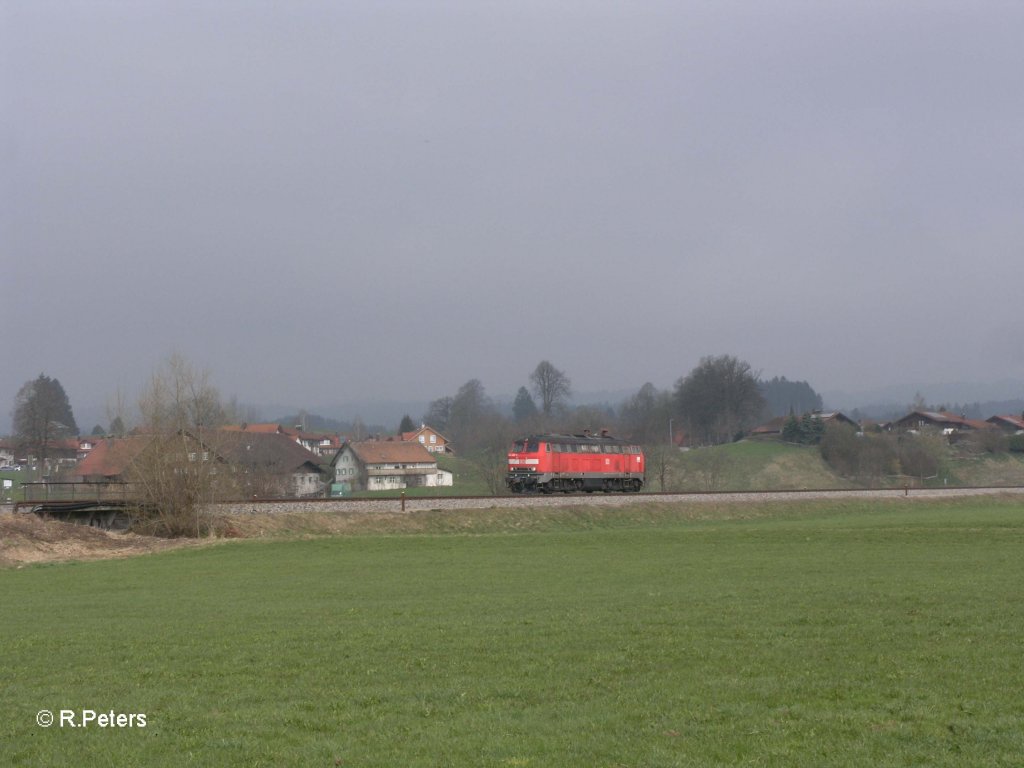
<point>334,201</point>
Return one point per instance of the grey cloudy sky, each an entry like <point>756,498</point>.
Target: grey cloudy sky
<point>324,202</point>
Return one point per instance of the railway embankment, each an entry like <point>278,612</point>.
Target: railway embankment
<point>349,506</point>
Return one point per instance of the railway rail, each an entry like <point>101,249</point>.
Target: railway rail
<point>117,515</point>
<point>426,503</point>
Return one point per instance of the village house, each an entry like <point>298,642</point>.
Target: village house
<point>268,465</point>
<point>774,427</point>
<point>1014,425</point>
<point>937,421</point>
<point>429,438</point>
<point>7,453</point>
<point>320,443</point>
<point>86,444</point>
<point>110,460</point>
<point>380,465</point>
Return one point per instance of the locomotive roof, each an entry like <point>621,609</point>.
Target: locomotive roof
<point>581,439</point>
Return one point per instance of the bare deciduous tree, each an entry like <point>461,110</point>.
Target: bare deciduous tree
<point>719,399</point>
<point>660,465</point>
<point>117,414</point>
<point>551,386</point>
<point>646,416</point>
<point>179,470</point>
<point>180,397</point>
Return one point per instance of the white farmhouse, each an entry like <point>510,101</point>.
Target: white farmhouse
<point>381,465</point>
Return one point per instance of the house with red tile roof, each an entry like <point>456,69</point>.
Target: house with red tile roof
<point>378,465</point>
<point>111,459</point>
<point>429,438</point>
<point>262,464</point>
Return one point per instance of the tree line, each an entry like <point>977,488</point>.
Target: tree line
<point>717,401</point>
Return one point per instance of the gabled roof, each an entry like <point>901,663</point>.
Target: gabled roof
<point>775,426</point>
<point>771,427</point>
<point>945,418</point>
<point>1014,422</point>
<point>258,428</point>
<point>272,451</point>
<point>112,456</point>
<point>939,417</point>
<point>295,434</point>
<point>414,435</point>
<point>390,452</point>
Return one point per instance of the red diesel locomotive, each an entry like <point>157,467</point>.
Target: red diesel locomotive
<point>567,463</point>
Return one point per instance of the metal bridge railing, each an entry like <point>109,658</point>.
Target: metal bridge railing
<point>62,491</point>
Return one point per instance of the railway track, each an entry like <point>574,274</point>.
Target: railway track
<point>410,504</point>
<point>114,516</point>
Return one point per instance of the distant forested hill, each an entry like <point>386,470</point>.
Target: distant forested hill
<point>784,397</point>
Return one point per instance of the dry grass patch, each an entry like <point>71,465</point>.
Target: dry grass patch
<point>25,539</point>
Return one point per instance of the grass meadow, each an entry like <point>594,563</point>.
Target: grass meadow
<point>797,634</point>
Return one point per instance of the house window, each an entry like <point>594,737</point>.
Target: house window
<point>423,439</point>
<point>433,439</point>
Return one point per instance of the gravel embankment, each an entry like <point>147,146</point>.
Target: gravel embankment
<point>419,504</point>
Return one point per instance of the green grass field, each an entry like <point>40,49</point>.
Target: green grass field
<point>810,634</point>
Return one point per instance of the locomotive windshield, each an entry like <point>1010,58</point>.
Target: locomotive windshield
<point>525,446</point>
